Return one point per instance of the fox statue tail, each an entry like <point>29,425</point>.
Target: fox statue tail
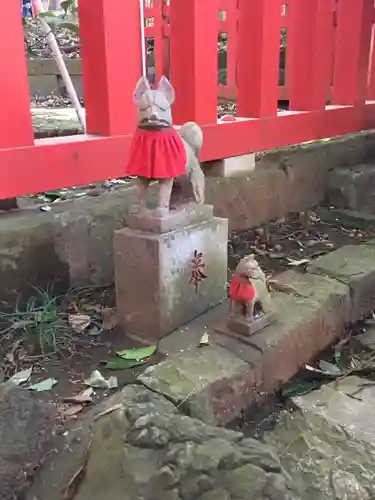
<point>192,134</point>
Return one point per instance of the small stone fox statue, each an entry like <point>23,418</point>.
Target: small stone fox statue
<point>248,288</point>
<point>160,152</point>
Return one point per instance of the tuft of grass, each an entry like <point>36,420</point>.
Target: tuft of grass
<point>39,323</point>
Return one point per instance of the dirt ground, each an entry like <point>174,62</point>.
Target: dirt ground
<point>82,348</point>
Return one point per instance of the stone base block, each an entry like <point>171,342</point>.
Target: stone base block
<point>241,330</point>
<point>236,166</point>
<point>242,327</point>
<point>178,217</point>
<point>165,280</point>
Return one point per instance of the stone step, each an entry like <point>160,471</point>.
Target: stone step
<point>352,188</point>
<point>329,445</point>
<point>216,382</point>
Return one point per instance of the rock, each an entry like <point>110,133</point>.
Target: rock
<point>348,404</point>
<point>26,426</point>
<point>141,447</point>
<point>346,487</point>
<point>217,494</point>
<point>210,454</point>
<point>328,444</point>
<point>241,481</point>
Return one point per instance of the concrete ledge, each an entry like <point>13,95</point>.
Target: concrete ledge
<point>216,382</point>
<point>352,188</point>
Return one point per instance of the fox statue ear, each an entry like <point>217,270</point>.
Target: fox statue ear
<point>141,87</point>
<point>166,88</point>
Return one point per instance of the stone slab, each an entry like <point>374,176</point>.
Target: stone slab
<point>326,459</point>
<point>348,403</point>
<point>178,218</point>
<point>305,326</point>
<point>352,188</point>
<point>154,291</point>
<point>355,267</point>
<point>209,383</point>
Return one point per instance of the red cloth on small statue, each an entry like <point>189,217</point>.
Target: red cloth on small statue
<point>240,291</point>
<point>156,154</point>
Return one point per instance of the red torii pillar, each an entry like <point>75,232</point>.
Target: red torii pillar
<point>111,64</point>
<point>15,118</point>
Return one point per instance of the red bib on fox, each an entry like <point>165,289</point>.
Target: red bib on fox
<point>156,154</point>
<point>240,291</point>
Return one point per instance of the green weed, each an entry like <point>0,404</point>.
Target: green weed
<point>42,326</point>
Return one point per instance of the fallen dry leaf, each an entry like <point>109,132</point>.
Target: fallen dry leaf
<point>79,322</point>
<point>204,341</point>
<point>296,263</point>
<point>79,399</point>
<point>71,411</point>
<point>22,376</point>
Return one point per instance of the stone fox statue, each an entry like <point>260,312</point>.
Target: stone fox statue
<point>249,287</point>
<point>158,151</point>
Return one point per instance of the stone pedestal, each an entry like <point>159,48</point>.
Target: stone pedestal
<point>169,271</point>
<point>242,330</point>
<point>242,327</point>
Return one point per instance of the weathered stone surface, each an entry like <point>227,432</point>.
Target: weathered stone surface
<point>355,267</point>
<point>336,404</point>
<point>216,383</point>
<point>352,188</point>
<point>178,218</point>
<point>328,443</point>
<point>145,449</point>
<point>209,383</point>
<point>84,235</point>
<point>27,255</point>
<point>26,427</point>
<point>297,183</point>
<point>153,272</point>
